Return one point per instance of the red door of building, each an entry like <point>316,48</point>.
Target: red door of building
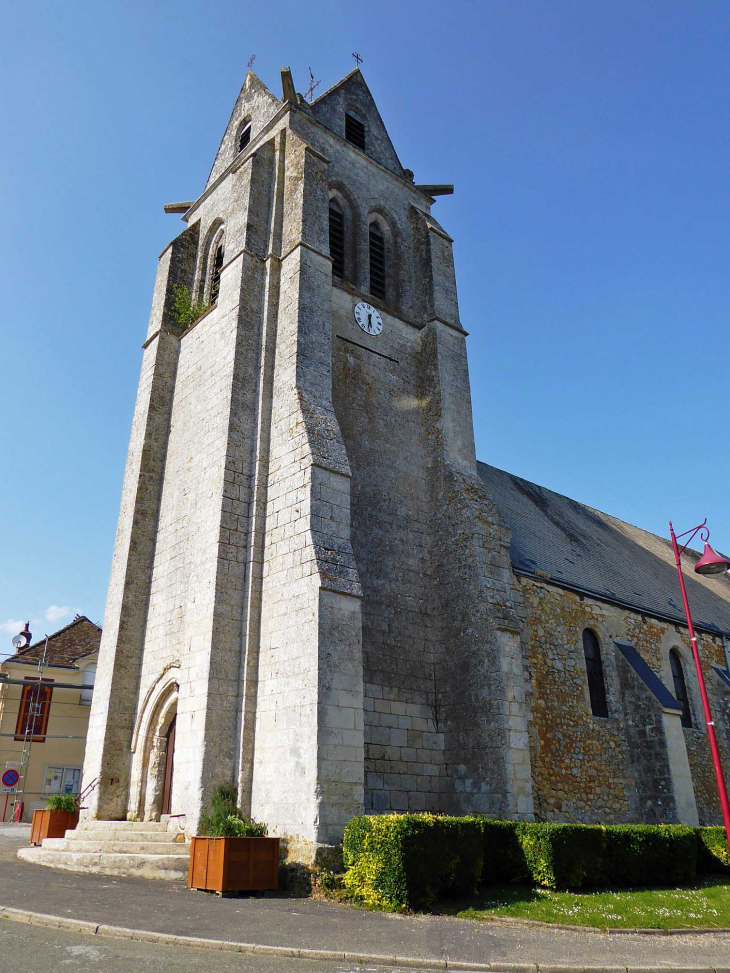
<point>169,757</point>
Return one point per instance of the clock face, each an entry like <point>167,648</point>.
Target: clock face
<point>368,318</point>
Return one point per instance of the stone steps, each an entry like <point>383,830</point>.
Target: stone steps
<point>170,867</point>
<point>118,847</point>
<point>156,837</point>
<point>147,849</point>
<point>146,826</point>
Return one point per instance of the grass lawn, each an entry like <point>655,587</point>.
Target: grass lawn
<point>704,904</point>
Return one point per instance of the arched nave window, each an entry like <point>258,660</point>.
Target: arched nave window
<point>680,687</point>
<point>594,671</point>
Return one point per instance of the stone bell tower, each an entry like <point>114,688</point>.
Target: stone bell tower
<point>311,593</point>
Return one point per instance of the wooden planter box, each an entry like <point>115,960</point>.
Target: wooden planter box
<point>52,824</point>
<point>234,864</point>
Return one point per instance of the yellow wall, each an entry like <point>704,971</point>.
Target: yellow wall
<point>67,719</point>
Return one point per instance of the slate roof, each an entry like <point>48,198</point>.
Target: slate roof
<point>579,547</point>
<point>74,641</point>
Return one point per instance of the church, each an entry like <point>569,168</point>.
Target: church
<point>318,593</point>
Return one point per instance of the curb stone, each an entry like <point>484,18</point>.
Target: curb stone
<point>415,962</point>
<point>615,931</point>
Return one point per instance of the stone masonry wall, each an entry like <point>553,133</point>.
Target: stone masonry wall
<point>586,768</point>
<point>376,399</point>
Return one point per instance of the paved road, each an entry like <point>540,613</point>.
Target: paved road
<point>34,949</point>
<point>169,907</point>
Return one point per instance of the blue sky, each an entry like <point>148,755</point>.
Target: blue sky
<point>589,147</point>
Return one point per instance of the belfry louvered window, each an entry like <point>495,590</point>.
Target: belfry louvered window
<point>354,130</point>
<point>680,688</point>
<point>594,670</point>
<point>215,277</point>
<point>337,240</point>
<point>377,261</point>
<point>245,137</point>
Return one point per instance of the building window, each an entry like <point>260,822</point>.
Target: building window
<point>377,261</point>
<point>337,239</point>
<point>594,670</point>
<point>354,130</point>
<point>215,277</point>
<point>680,687</point>
<point>88,677</point>
<point>35,707</point>
<point>245,137</point>
<point>62,780</point>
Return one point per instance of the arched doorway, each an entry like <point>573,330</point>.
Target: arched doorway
<point>153,752</point>
<point>169,760</point>
<point>160,756</point>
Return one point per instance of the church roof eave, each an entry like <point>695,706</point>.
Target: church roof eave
<point>571,545</point>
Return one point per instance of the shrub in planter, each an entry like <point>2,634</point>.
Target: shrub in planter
<point>646,854</point>
<point>226,820</point>
<point>63,802</point>
<point>562,855</point>
<point>712,852</point>
<point>61,814</point>
<point>231,853</point>
<point>411,860</point>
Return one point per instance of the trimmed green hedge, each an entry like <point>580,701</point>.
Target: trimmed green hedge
<point>712,851</point>
<point>645,854</point>
<point>504,859</point>
<point>411,860</point>
<point>562,855</point>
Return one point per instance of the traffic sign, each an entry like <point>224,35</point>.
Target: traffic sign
<point>10,778</point>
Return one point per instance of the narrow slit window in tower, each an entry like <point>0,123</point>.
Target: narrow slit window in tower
<point>354,130</point>
<point>337,240</point>
<point>680,688</point>
<point>594,670</point>
<point>244,138</point>
<point>215,278</point>
<point>377,261</point>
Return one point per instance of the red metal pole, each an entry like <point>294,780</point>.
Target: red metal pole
<point>703,693</point>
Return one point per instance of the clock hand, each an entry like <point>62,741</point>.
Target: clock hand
<point>370,321</point>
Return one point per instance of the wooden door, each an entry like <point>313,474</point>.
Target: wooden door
<point>169,757</point>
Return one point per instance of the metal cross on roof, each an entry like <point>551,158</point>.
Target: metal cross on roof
<point>312,85</point>
<point>358,59</point>
<point>250,61</point>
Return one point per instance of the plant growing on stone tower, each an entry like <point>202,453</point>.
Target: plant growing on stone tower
<point>184,310</point>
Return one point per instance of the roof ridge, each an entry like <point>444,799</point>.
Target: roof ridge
<point>33,645</point>
<point>64,646</point>
<point>338,83</point>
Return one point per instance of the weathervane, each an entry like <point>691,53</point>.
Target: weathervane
<point>358,59</point>
<point>312,85</point>
<point>250,61</point>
